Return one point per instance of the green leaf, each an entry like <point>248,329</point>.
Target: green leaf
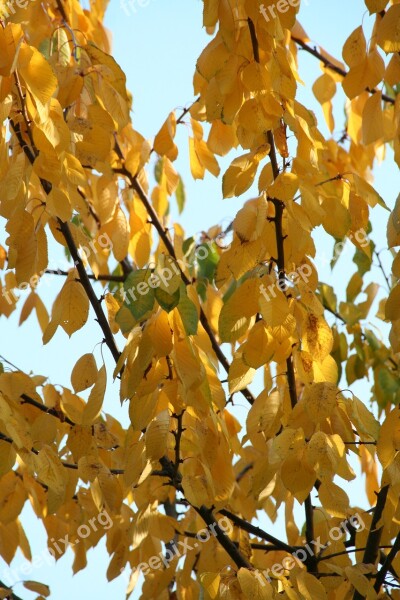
<point>139,295</point>
<point>158,168</point>
<point>388,382</point>
<point>362,261</point>
<point>180,195</point>
<point>116,285</point>
<point>167,301</point>
<point>60,46</point>
<point>207,265</point>
<point>328,296</point>
<point>188,313</point>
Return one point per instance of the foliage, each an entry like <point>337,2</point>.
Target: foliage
<point>74,172</point>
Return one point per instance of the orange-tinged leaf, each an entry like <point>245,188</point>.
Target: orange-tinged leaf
<point>39,588</point>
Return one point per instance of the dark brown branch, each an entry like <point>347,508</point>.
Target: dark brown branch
<point>50,411</point>
<point>387,564</point>
<point>343,552</point>
<point>12,596</point>
<point>186,110</point>
<point>229,546</point>
<point>26,149</point>
<point>105,277</point>
<point>24,111</point>
<point>84,279</point>
<point>246,526</point>
<point>377,254</point>
<point>335,68</point>
<point>67,465</point>
<point>374,536</point>
<point>311,562</point>
<point>171,251</point>
<point>62,10</point>
<point>254,41</point>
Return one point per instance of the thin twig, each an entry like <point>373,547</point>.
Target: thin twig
<point>335,68</point>
<point>114,278</point>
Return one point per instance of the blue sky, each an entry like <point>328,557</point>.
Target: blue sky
<point>157,46</point>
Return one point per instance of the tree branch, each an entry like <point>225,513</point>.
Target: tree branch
<point>50,411</point>
<point>374,536</point>
<point>387,564</point>
<point>229,546</point>
<point>134,183</point>
<point>105,277</point>
<point>246,526</point>
<point>335,68</point>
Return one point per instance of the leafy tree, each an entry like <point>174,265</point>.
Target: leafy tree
<point>74,172</point>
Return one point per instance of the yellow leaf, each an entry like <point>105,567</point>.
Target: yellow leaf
<point>392,306</point>
<point>298,477</point>
<point>355,48</point>
<point>157,435</point>
<point>240,375</point>
<point>113,307</point>
<point>118,231</point>
<point>10,38</point>
<point>375,6</point>
<point>210,582</point>
<point>310,587</point>
<point>388,35</point>
<point>96,397</point>
<point>360,582</point>
<point>84,373</point>
<point>37,73</point>
<point>264,415</point>
<point>254,586</point>
<point>58,204</point>
<point>372,119</point>
<point>317,337</point>
<point>164,141</point>
<point>260,346</point>
<point>196,167</point>
<point>366,74</point>
<point>334,499</point>
<point>284,187</point>
<point>75,307</point>
<point>239,176</point>
<point>50,470</point>
<point>320,400</point>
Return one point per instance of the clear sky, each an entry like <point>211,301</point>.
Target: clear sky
<point>157,46</point>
